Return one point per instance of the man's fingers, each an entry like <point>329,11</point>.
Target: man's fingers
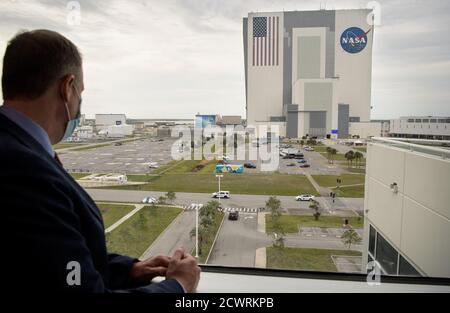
<point>178,255</point>
<point>160,260</point>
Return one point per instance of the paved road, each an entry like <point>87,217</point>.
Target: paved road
<point>174,237</point>
<point>238,241</point>
<point>236,201</point>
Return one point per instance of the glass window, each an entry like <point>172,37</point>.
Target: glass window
<point>386,255</point>
<point>406,269</point>
<point>441,121</point>
<point>447,121</point>
<point>418,121</point>
<point>410,120</point>
<point>372,236</point>
<point>433,121</point>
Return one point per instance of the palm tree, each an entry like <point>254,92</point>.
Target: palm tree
<point>333,152</point>
<point>328,154</point>
<point>350,237</point>
<point>358,156</point>
<point>315,206</point>
<point>350,155</point>
<point>171,196</point>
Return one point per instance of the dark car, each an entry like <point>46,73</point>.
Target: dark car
<point>302,161</point>
<point>249,165</point>
<point>118,144</point>
<point>291,164</point>
<point>299,156</point>
<point>305,165</point>
<point>233,216</point>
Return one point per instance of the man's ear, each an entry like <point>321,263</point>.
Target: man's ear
<point>66,87</point>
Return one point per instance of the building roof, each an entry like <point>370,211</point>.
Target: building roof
<point>231,120</point>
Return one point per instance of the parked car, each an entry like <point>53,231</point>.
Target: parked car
<point>299,156</point>
<point>233,216</point>
<point>302,161</point>
<point>221,194</point>
<point>305,165</point>
<point>308,148</point>
<point>118,144</point>
<point>304,198</point>
<point>291,164</point>
<point>149,200</point>
<point>249,165</point>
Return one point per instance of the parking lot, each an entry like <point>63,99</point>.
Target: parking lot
<point>131,158</point>
<point>324,233</point>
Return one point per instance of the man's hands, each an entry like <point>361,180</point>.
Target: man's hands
<point>144,271</point>
<point>184,268</point>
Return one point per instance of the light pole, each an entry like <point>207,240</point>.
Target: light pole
<point>219,177</point>
<point>196,232</point>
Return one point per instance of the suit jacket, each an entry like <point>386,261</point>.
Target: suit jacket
<point>49,221</point>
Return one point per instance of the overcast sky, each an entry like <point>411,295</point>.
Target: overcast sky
<point>174,58</point>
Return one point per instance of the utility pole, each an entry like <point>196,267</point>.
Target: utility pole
<point>219,177</point>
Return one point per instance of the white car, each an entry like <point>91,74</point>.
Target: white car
<point>221,194</point>
<point>308,148</point>
<point>149,200</point>
<point>153,165</point>
<point>304,198</point>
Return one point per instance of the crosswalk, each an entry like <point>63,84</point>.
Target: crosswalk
<point>195,206</point>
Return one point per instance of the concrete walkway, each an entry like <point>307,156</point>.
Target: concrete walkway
<point>138,207</point>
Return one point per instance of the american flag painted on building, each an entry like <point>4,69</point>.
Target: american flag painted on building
<point>266,41</point>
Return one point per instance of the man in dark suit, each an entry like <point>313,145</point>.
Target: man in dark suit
<point>52,231</point>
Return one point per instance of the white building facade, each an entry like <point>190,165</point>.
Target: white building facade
<point>308,72</point>
<point>428,127</point>
<point>407,211</point>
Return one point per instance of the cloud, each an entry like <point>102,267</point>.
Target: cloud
<point>174,58</point>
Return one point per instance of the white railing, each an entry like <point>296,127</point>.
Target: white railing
<point>417,145</point>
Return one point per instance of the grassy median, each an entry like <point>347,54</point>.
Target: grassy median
<point>305,259</point>
<point>347,179</point>
<point>137,233</point>
<point>291,223</point>
<point>111,213</point>
<point>253,184</point>
<point>207,243</point>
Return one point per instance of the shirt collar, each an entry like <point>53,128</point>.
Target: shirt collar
<point>31,127</point>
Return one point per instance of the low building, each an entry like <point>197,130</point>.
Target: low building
<point>110,119</point>
<point>406,205</point>
<point>230,120</point>
<point>118,131</point>
<point>364,129</point>
<point>436,128</point>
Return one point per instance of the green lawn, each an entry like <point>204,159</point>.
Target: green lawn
<point>66,145</point>
<point>361,149</point>
<point>347,179</point>
<point>350,192</point>
<point>341,157</point>
<point>207,245</point>
<point>291,223</point>
<point>91,147</point>
<point>254,184</point>
<point>136,234</point>
<point>113,212</point>
<point>305,259</point>
<point>320,149</point>
<point>79,175</point>
<point>357,170</point>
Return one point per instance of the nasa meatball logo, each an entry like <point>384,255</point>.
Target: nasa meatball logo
<point>354,40</point>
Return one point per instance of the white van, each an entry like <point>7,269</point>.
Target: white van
<point>221,194</point>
